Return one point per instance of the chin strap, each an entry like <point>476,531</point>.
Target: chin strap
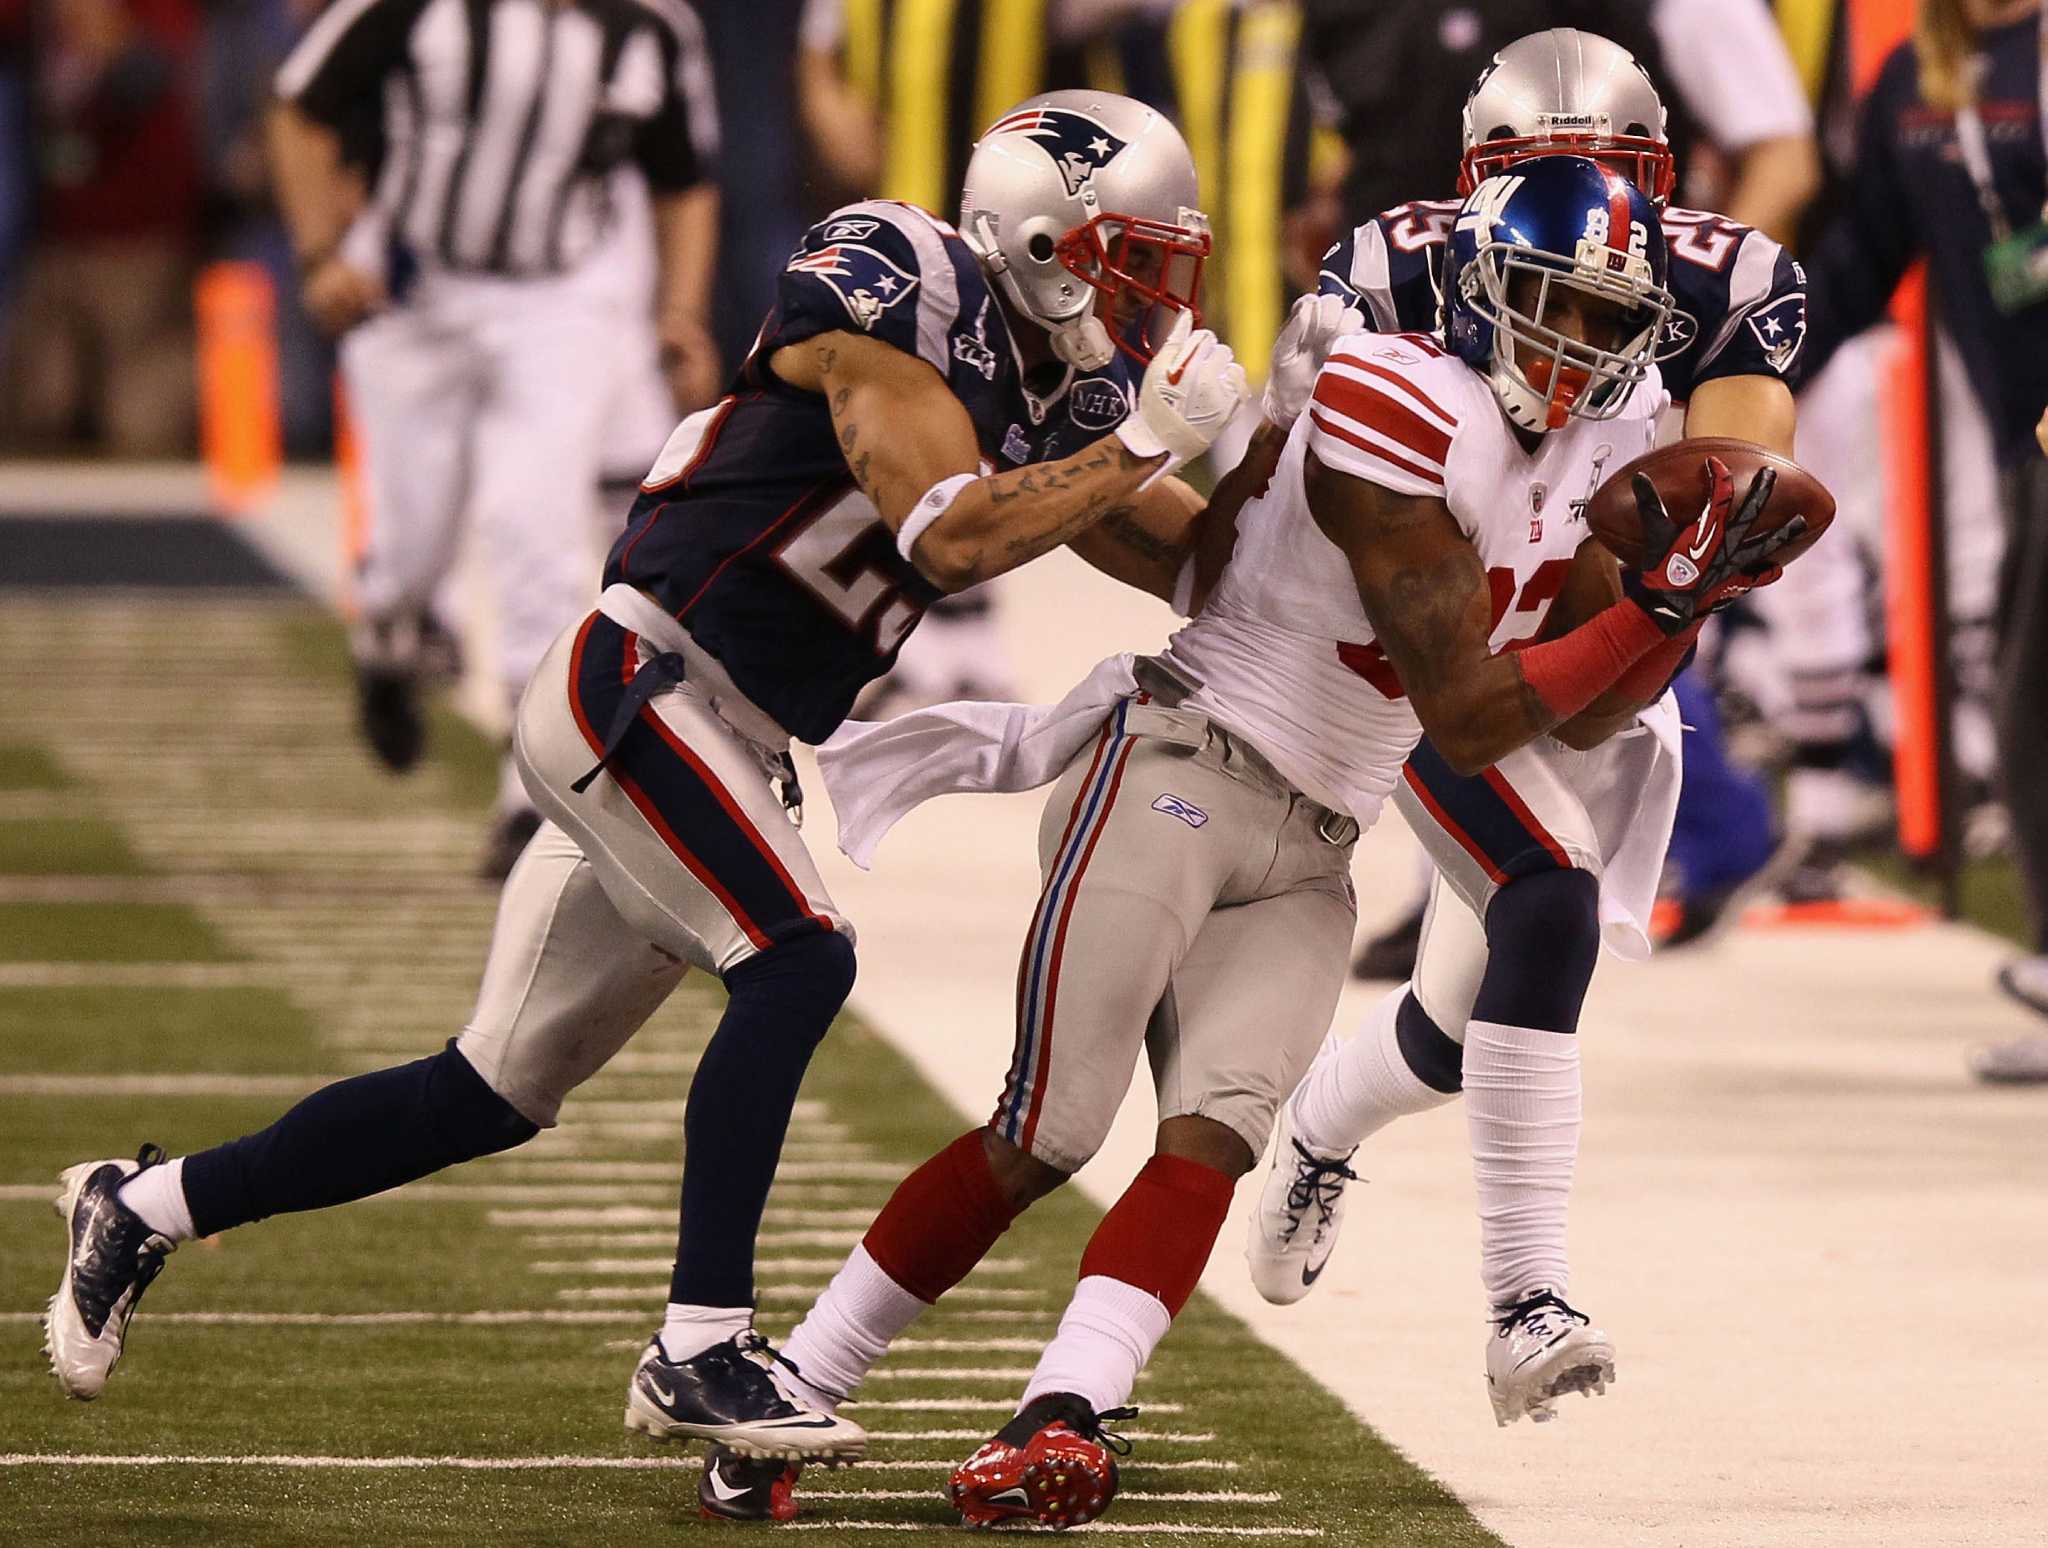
<point>1083,344</point>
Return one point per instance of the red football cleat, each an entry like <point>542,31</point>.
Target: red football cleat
<point>1053,1464</point>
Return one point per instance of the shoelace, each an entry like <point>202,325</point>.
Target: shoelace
<point>1099,1430</point>
<point>1317,1183</point>
<point>1535,1310</point>
<point>754,1342</point>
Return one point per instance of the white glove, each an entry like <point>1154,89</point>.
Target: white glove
<point>1191,389</point>
<point>1313,326</point>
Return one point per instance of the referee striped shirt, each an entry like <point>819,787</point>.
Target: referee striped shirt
<point>496,122</point>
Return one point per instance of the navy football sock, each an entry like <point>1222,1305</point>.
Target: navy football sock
<point>1543,942</point>
<point>781,1004</point>
<point>354,1138</point>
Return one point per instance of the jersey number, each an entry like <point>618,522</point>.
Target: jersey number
<point>1538,592</point>
<point>1425,223</point>
<point>1700,237</point>
<point>838,554</point>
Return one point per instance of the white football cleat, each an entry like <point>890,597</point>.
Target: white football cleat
<point>1294,1227</point>
<point>1540,1349</point>
<point>724,1395</point>
<point>111,1256</point>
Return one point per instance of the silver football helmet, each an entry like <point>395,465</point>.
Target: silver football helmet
<point>1570,92</point>
<point>1081,204</point>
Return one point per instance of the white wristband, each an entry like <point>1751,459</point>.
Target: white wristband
<point>1140,441</point>
<point>931,505</point>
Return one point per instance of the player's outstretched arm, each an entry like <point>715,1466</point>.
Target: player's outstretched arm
<point>1171,542</point>
<point>910,445</point>
<point>1752,408</point>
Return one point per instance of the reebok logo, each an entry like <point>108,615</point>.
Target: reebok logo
<point>1186,811</point>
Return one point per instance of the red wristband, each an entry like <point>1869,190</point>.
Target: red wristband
<point>1568,674</point>
<point>1649,677</point>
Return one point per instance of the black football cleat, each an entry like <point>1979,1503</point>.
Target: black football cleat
<point>388,708</point>
<point>1054,1464</point>
<point>510,833</point>
<point>724,1395</point>
<point>113,1257</point>
<point>1391,954</point>
<point>737,1488</point>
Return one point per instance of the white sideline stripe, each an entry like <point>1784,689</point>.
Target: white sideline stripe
<point>970,1406</point>
<point>139,975</point>
<point>766,1265</point>
<point>158,1085</point>
<point>479,1319</point>
<point>1134,1496</point>
<point>634,1215</point>
<point>1163,1528</point>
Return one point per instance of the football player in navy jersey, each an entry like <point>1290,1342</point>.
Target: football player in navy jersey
<point>923,409</point>
<point>1730,358</point>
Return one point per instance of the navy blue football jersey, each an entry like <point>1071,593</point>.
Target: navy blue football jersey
<point>1741,298</point>
<point>752,531</point>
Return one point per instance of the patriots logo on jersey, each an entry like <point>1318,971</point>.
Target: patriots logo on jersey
<point>1079,146</point>
<point>1780,329</point>
<point>866,281</point>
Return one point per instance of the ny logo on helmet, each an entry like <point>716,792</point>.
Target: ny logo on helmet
<point>1079,146</point>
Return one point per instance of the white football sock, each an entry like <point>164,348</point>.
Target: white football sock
<point>1355,1089</point>
<point>1522,1107</point>
<point>1106,1335</point>
<point>157,1194</point>
<point>687,1331</point>
<point>848,1328</point>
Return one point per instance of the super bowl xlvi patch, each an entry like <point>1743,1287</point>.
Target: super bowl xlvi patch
<point>867,283</point>
<point>1097,404</point>
<point>1780,329</point>
<point>1079,146</point>
<point>1186,811</point>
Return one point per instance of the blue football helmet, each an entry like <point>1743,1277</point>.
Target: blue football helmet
<point>1567,222</point>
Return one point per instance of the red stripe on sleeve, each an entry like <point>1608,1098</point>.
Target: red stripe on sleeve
<point>1396,421</point>
<point>1414,469</point>
<point>1401,382</point>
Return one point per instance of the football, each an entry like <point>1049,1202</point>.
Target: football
<point>1678,472</point>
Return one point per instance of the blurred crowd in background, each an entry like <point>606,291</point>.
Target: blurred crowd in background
<point>132,155</point>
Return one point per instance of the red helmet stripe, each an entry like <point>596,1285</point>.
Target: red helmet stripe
<point>1619,216</point>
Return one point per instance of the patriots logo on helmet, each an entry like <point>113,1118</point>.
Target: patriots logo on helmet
<point>1079,145</point>
<point>1780,329</point>
<point>867,282</point>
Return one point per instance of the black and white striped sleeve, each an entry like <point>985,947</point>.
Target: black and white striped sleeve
<point>677,148</point>
<point>341,62</point>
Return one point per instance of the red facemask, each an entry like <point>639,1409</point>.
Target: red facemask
<point>1643,161</point>
<point>1145,271</point>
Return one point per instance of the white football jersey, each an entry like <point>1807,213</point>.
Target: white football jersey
<point>1283,654</point>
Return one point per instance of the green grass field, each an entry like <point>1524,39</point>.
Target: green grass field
<point>209,902</point>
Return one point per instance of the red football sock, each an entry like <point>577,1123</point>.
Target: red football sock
<point>941,1220</point>
<point>1158,1235</point>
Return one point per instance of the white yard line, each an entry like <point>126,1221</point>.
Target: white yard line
<point>1149,1437</point>
<point>158,1085</point>
<point>1124,1496</point>
<point>1110,1528</point>
<point>764,1265</point>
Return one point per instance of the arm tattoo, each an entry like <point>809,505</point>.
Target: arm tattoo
<point>1140,540</point>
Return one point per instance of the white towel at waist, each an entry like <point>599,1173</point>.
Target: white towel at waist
<point>876,771</point>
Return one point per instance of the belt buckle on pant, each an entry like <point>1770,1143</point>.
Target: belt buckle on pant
<point>1336,828</point>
